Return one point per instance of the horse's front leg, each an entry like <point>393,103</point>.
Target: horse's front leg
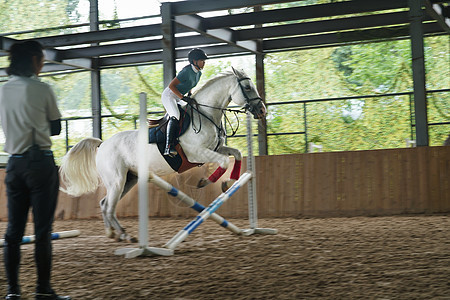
<point>235,173</point>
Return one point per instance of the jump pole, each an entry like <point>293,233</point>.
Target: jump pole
<point>207,212</point>
<point>252,200</point>
<point>55,236</point>
<point>143,172</point>
<point>171,190</point>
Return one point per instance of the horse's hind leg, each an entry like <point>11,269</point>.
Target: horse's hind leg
<point>108,205</point>
<point>109,213</point>
<point>114,192</point>
<point>131,181</point>
<point>108,227</point>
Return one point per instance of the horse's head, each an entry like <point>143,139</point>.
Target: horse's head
<point>246,95</point>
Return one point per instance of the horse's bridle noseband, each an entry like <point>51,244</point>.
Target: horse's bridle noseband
<point>248,100</point>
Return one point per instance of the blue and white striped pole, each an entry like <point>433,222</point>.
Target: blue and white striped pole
<point>207,212</point>
<point>55,235</point>
<point>171,190</point>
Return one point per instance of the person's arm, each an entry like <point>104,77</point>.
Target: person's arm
<point>173,87</point>
<point>55,127</point>
<point>53,114</point>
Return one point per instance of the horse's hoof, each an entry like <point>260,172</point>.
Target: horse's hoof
<point>120,237</point>
<point>110,234</point>
<point>203,182</point>
<point>227,184</point>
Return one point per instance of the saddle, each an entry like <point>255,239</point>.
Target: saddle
<point>157,135</point>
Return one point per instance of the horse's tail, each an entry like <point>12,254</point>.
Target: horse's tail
<point>78,171</point>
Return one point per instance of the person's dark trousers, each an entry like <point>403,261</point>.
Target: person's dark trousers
<point>30,183</point>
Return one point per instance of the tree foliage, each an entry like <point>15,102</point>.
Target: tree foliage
<point>354,70</point>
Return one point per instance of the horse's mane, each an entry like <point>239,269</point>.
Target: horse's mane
<point>212,81</point>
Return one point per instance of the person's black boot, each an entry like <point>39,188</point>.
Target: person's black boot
<point>51,296</point>
<point>172,128</point>
<point>11,258</point>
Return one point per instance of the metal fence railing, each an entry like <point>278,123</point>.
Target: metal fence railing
<point>303,126</point>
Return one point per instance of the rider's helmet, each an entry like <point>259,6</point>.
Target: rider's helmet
<point>196,54</point>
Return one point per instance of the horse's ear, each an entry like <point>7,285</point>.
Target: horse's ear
<point>239,73</point>
<point>235,71</point>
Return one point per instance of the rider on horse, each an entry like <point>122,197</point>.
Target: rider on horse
<point>181,85</point>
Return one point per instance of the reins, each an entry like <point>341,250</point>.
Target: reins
<point>246,108</point>
<point>198,129</point>
<point>220,129</point>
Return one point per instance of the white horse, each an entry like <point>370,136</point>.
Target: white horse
<point>115,161</point>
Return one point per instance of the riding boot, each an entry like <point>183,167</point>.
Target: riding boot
<point>172,128</point>
<point>43,258</point>
<point>12,262</point>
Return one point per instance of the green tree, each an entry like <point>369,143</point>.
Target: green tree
<point>39,14</point>
<point>355,70</point>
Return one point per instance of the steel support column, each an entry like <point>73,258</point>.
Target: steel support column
<point>96,98</point>
<point>96,101</point>
<point>261,87</point>
<point>418,67</point>
<point>168,42</point>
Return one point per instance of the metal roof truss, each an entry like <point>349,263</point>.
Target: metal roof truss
<point>292,28</point>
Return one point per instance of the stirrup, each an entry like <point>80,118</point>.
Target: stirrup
<point>170,151</point>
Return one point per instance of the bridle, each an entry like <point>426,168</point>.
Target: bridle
<point>248,100</point>
<point>247,107</point>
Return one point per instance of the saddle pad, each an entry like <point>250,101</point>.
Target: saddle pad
<point>179,162</point>
<point>174,162</point>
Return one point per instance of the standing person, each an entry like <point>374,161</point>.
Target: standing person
<point>29,116</point>
<point>181,85</point>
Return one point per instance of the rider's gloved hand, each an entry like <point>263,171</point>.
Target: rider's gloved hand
<point>189,100</point>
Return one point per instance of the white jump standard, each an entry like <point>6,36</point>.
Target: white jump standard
<point>143,171</point>
<point>252,200</point>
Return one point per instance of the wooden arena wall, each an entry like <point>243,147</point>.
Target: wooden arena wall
<point>370,183</point>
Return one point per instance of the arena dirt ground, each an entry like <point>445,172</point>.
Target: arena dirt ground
<point>395,257</point>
